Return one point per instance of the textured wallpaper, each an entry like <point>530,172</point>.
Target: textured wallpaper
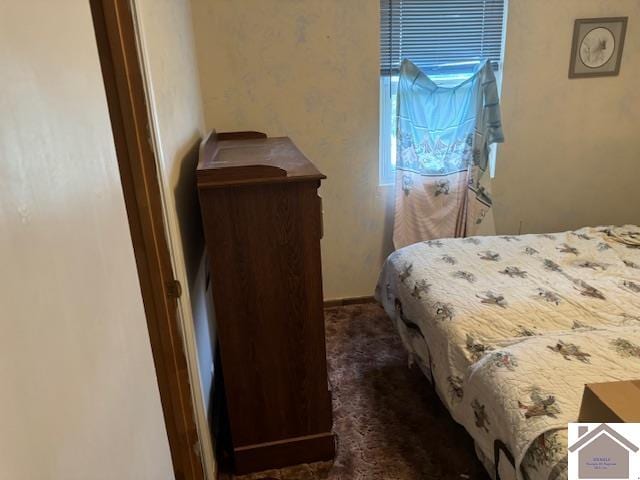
<point>309,69</point>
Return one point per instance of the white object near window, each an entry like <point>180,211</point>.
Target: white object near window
<point>446,39</point>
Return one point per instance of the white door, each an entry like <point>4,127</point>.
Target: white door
<point>78,394</point>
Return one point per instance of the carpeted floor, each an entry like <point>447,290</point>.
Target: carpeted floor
<point>389,422</point>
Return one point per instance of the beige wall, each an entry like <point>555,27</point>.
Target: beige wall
<point>79,397</point>
<point>572,151</point>
<point>166,34</point>
<point>309,69</point>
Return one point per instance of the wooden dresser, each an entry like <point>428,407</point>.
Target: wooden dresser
<point>262,220</point>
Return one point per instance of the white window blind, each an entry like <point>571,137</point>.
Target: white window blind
<point>445,36</point>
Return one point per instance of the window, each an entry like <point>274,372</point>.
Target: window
<point>445,38</point>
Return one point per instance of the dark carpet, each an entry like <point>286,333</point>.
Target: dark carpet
<point>389,422</point>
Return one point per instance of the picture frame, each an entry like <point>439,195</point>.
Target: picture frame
<point>596,49</point>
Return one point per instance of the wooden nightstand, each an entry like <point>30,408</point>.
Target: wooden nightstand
<point>611,402</point>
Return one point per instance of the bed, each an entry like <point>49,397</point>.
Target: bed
<point>510,328</point>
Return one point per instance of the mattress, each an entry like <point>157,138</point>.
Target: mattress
<point>510,328</point>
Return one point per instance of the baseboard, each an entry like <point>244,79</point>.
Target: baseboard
<point>290,451</point>
<point>341,302</point>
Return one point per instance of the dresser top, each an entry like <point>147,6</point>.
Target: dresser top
<point>249,161</point>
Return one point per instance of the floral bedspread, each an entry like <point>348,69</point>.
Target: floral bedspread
<point>511,328</point>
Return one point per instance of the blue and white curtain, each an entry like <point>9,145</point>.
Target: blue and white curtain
<point>443,137</point>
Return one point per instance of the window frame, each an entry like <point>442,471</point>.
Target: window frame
<point>388,90</point>
<point>387,168</point>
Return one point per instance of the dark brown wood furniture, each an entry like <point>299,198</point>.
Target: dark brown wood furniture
<point>263,223</point>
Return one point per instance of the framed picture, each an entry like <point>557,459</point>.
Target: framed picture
<point>597,47</point>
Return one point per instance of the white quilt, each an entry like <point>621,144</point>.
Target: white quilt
<point>512,327</point>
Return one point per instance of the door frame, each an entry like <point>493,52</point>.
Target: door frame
<point>115,31</point>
